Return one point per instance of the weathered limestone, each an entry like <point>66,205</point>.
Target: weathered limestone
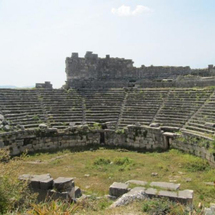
<point>46,85</point>
<point>151,192</point>
<point>43,182</point>
<point>137,182</point>
<point>156,125</point>
<point>186,196</point>
<point>211,210</point>
<point>78,192</point>
<point>136,193</point>
<point>63,188</point>
<point>117,189</point>
<point>165,185</point>
<point>94,72</point>
<point>167,194</point>
<point>125,196</point>
<point>43,126</point>
<point>63,184</point>
<point>46,186</point>
<point>1,117</point>
<point>189,143</point>
<point>138,137</point>
<point>45,138</point>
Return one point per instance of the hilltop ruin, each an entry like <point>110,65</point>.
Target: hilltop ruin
<point>94,72</point>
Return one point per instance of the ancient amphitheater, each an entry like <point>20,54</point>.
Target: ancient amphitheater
<point>109,101</point>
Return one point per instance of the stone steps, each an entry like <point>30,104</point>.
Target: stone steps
<point>202,126</point>
<point>199,129</point>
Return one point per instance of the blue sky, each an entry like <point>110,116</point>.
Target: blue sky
<point>37,35</point>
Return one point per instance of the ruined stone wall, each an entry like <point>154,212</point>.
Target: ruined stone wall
<point>141,83</point>
<point>196,145</point>
<point>132,137</point>
<point>92,71</point>
<point>50,139</point>
<point>138,137</point>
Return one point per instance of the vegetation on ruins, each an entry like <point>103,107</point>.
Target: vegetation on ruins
<point>14,194</point>
<point>95,126</point>
<point>40,98</point>
<point>199,141</point>
<point>120,131</point>
<point>35,117</point>
<point>163,206</point>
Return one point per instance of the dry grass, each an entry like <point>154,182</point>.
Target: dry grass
<point>171,165</point>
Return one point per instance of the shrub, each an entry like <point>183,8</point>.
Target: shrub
<point>102,161</point>
<point>14,194</point>
<point>120,131</point>
<point>196,164</point>
<point>4,155</point>
<point>162,207</point>
<point>123,161</point>
<point>96,126</point>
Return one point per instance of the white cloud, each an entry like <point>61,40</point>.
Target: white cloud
<point>126,10</point>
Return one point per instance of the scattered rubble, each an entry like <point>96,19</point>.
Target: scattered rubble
<point>136,193</point>
<point>125,195</point>
<point>46,186</point>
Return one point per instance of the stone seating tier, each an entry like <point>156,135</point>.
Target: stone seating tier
<point>190,108</point>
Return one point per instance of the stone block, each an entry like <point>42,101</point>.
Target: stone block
<point>212,207</point>
<point>186,197</point>
<point>151,192</point>
<point>25,177</point>
<point>78,192</point>
<point>44,181</point>
<point>54,195</point>
<point>1,117</point>
<point>136,193</point>
<point>16,151</point>
<point>43,126</point>
<point>136,182</point>
<point>155,125</point>
<point>137,189</point>
<point>62,184</point>
<point>165,185</point>
<point>169,194</point>
<point>208,211</point>
<point>46,184</point>
<point>1,144</point>
<point>117,189</point>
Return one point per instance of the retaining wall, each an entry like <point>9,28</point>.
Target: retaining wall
<point>133,137</point>
<point>197,145</point>
<point>137,137</point>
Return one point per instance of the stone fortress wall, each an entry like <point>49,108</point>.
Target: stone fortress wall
<point>94,72</point>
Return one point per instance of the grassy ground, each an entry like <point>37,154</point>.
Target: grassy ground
<point>95,171</point>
